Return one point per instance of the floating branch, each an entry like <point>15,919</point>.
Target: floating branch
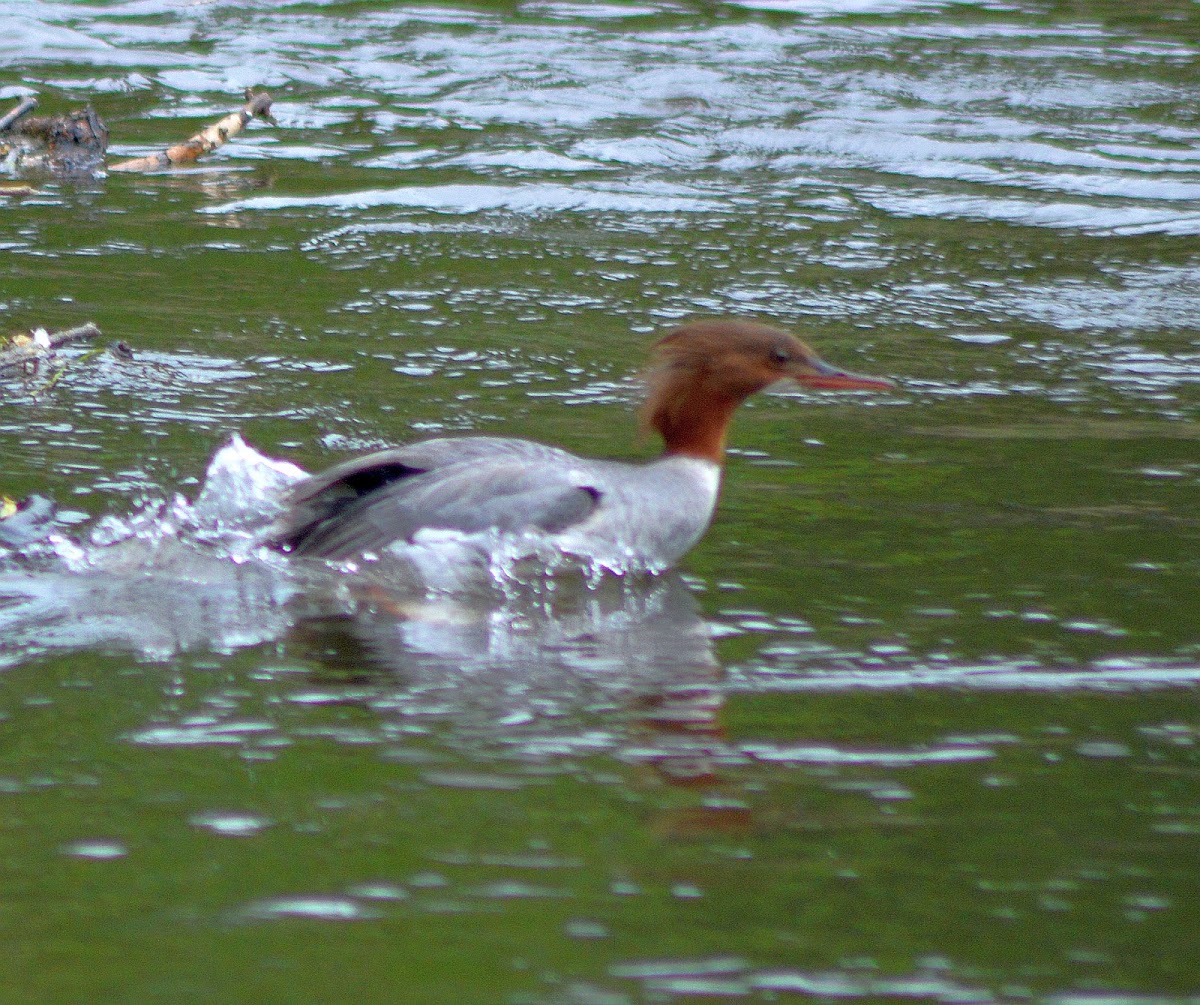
<point>23,349</point>
<point>205,141</point>
<point>73,143</point>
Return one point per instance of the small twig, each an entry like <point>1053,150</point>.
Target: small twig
<point>25,349</point>
<point>61,369</point>
<point>205,141</point>
<point>24,107</point>
<point>55,377</point>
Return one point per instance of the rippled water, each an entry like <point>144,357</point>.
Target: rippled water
<point>916,720</point>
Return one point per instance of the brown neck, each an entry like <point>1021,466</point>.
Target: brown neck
<point>694,423</point>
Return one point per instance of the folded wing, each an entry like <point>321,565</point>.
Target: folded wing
<point>472,484</point>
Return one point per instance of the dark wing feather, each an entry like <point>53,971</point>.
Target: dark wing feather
<point>472,484</point>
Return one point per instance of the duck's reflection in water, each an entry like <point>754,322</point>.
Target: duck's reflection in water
<point>624,668</point>
<point>568,646</point>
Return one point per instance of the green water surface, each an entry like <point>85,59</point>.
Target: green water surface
<point>942,744</point>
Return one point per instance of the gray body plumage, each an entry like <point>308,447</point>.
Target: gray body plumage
<point>619,514</point>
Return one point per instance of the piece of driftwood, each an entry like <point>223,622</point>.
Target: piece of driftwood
<point>63,144</point>
<point>23,108</point>
<point>21,350</point>
<point>205,141</point>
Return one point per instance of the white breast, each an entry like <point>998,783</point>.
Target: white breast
<point>649,515</point>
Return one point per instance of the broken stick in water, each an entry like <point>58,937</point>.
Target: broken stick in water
<point>22,349</point>
<point>205,141</point>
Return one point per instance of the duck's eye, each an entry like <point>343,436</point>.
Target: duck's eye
<point>781,356</point>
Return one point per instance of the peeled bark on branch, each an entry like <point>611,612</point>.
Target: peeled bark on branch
<point>205,141</point>
<point>23,107</point>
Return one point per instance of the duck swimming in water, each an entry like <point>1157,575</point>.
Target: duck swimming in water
<point>621,515</point>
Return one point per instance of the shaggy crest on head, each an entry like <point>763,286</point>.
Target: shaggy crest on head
<point>701,372</point>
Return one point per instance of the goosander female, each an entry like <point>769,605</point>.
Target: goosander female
<point>624,516</point>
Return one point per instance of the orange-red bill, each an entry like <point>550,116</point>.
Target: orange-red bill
<point>830,378</point>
